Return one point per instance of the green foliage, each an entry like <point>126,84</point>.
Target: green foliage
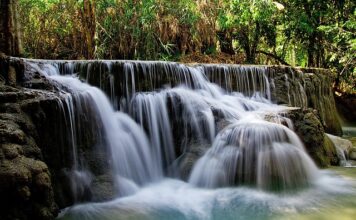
<point>341,53</point>
<point>251,23</point>
<point>299,32</point>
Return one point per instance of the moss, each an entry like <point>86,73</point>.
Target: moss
<point>330,151</point>
<point>352,153</point>
<point>43,180</point>
<point>24,193</point>
<point>24,180</point>
<point>11,133</point>
<point>310,130</point>
<point>11,151</point>
<point>13,172</point>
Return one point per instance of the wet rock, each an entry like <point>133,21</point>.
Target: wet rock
<point>44,213</point>
<point>8,96</point>
<point>39,83</point>
<point>25,183</point>
<point>11,151</point>
<point>24,193</point>
<point>37,166</point>
<point>25,188</point>
<point>306,88</point>
<point>21,120</point>
<point>43,180</point>
<point>13,173</point>
<point>352,153</point>
<point>11,133</point>
<point>310,130</point>
<point>341,143</point>
<point>188,159</point>
<point>9,108</point>
<point>102,188</point>
<point>12,76</point>
<point>6,88</point>
<point>330,152</point>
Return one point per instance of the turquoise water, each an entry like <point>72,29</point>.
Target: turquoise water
<point>333,196</point>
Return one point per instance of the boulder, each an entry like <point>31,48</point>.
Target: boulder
<point>189,158</point>
<point>25,181</point>
<point>306,88</point>
<point>352,153</point>
<point>102,188</point>
<point>25,187</point>
<point>308,127</point>
<point>340,143</point>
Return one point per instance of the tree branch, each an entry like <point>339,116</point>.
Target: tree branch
<point>274,57</point>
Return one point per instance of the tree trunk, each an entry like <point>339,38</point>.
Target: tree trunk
<point>10,41</point>
<point>255,41</point>
<point>89,24</point>
<point>225,39</point>
<point>249,43</point>
<point>315,51</point>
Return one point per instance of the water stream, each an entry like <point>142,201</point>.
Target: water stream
<point>251,164</point>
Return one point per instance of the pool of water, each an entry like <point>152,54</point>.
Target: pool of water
<point>349,130</point>
<point>333,196</point>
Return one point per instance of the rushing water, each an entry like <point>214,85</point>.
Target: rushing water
<point>249,167</point>
<point>330,198</point>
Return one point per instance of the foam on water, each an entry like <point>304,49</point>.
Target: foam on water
<point>155,127</point>
<point>173,199</point>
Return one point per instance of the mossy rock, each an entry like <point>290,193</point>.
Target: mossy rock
<point>352,153</point>
<point>330,152</point>
<point>308,127</point>
<point>12,151</point>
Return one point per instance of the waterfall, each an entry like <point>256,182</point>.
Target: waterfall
<point>154,114</point>
<point>150,111</point>
<point>255,152</point>
<point>128,145</point>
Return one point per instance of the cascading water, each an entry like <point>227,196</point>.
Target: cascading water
<point>166,110</point>
<point>131,157</point>
<point>257,153</point>
<point>197,105</point>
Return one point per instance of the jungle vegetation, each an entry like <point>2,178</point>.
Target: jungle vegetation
<point>307,33</point>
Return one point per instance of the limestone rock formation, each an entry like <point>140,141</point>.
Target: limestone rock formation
<point>307,88</point>
<point>25,181</point>
<point>352,153</point>
<point>310,130</point>
<point>342,144</point>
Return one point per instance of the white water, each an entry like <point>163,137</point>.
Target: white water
<point>174,199</point>
<point>131,157</point>
<point>129,148</point>
<point>246,150</point>
<point>258,153</point>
